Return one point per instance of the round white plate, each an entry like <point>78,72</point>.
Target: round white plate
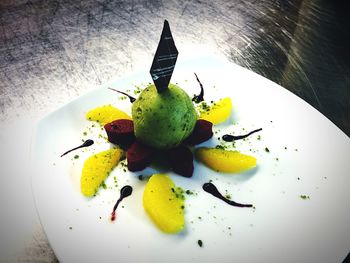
<point>308,155</point>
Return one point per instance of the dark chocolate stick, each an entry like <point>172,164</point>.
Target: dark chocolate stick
<point>164,60</point>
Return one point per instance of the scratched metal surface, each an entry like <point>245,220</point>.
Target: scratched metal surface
<point>53,51</point>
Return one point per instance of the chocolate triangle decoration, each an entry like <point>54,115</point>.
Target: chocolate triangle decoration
<point>164,60</point>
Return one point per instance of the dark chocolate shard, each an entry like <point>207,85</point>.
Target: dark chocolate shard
<point>164,60</point>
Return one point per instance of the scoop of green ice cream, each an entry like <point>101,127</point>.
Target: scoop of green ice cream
<point>163,120</point>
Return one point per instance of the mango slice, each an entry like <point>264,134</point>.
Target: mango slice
<point>218,112</point>
<point>163,204</point>
<point>106,114</point>
<point>96,169</point>
<point>225,161</point>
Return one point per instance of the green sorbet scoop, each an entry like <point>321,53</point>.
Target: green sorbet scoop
<point>163,120</point>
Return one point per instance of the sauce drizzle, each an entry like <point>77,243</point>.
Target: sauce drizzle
<point>230,138</point>
<point>132,99</point>
<point>124,192</point>
<point>87,143</point>
<point>200,97</point>
<point>211,189</point>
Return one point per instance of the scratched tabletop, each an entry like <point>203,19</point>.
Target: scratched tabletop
<point>56,50</point>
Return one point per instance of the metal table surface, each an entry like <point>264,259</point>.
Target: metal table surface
<point>53,51</point>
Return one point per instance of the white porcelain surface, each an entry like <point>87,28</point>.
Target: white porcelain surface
<point>312,159</point>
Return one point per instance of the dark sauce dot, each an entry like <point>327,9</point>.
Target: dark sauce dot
<point>124,192</point>
<point>230,138</point>
<point>200,97</point>
<point>87,143</point>
<point>132,99</point>
<point>211,189</point>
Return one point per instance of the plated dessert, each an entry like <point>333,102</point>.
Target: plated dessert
<point>165,123</point>
<point>298,170</point>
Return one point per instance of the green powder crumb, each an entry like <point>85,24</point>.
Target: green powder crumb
<point>76,156</point>
<point>304,197</point>
<point>200,243</point>
<point>189,192</point>
<point>222,147</point>
<point>179,192</point>
<point>267,150</point>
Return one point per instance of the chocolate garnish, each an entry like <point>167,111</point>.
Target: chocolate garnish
<point>124,192</point>
<point>211,189</point>
<point>230,138</point>
<point>164,60</point>
<point>132,99</point>
<point>200,97</point>
<point>87,143</point>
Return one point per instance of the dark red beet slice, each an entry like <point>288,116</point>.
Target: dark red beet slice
<point>139,156</point>
<point>202,132</point>
<point>120,132</point>
<point>181,161</point>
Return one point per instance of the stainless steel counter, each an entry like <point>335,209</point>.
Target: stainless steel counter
<point>53,51</point>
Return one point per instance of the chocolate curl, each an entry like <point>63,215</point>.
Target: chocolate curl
<point>164,60</point>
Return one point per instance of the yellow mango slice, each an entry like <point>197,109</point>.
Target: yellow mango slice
<point>218,112</point>
<point>164,206</point>
<point>96,169</point>
<point>225,161</point>
<point>106,114</point>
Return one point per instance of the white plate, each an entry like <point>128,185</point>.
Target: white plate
<point>283,227</point>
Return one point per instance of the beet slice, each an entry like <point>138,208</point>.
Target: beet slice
<point>203,131</point>
<point>181,161</point>
<point>120,132</point>
<point>139,156</point>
